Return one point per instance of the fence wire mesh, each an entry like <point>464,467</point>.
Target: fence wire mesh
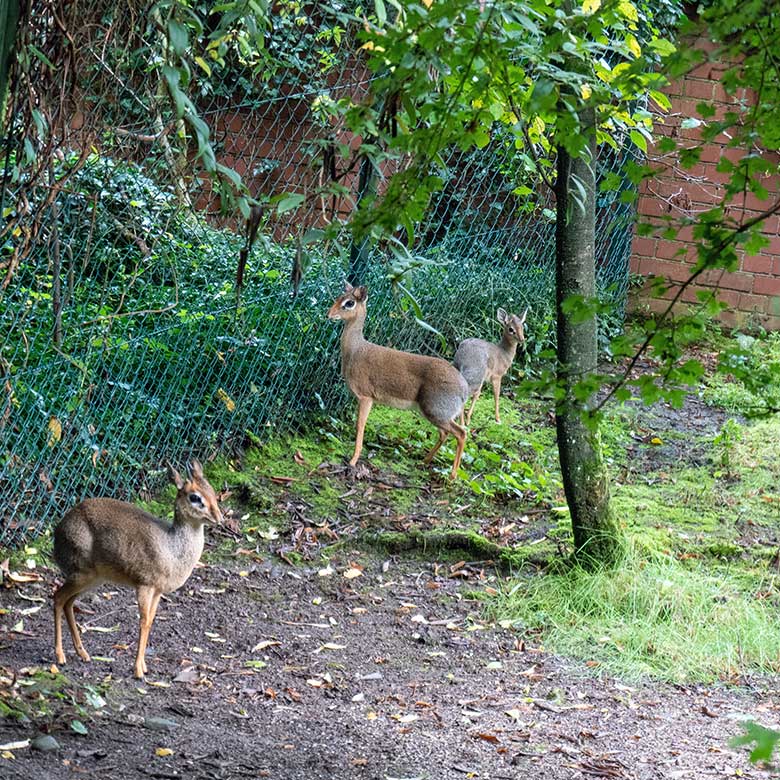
<point>121,345</point>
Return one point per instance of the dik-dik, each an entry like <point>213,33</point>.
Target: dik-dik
<point>480,360</point>
<point>105,540</point>
<point>400,379</point>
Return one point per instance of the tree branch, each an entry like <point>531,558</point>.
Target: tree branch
<point>721,245</point>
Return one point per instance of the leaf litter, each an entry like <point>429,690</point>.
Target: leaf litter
<point>324,709</point>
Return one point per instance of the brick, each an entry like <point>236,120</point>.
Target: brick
<point>732,319</point>
<point>751,202</point>
<point>771,225</point>
<point>703,44</point>
<point>703,71</point>
<point>716,177</point>
<point>644,246</point>
<point>773,306</point>
<point>748,302</point>
<point>669,250</point>
<point>706,195</point>
<point>727,280</point>
<point>766,285</point>
<point>720,95</point>
<point>653,207</point>
<point>774,246</point>
<point>633,264</point>
<point>710,153</point>
<point>676,272</point>
<point>699,89</point>
<point>771,322</point>
<point>698,171</point>
<point>756,264</point>
<point>730,297</point>
<point>686,234</point>
<point>674,88</point>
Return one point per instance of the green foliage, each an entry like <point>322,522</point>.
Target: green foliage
<point>500,82</point>
<point>43,697</point>
<point>764,740</point>
<point>725,442</point>
<point>742,35</point>
<point>656,615</point>
<point>150,340</point>
<point>748,379</point>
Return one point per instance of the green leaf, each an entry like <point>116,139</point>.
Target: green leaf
<point>381,12</point>
<point>661,46</point>
<point>312,235</point>
<point>765,741</point>
<point>205,67</point>
<point>78,727</point>
<point>42,57</point>
<point>178,36</point>
<point>288,201</point>
<point>639,140</point>
<point>661,100</point>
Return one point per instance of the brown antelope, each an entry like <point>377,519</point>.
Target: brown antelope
<point>400,379</point>
<point>105,540</point>
<point>480,360</point>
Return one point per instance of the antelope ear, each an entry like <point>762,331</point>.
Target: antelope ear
<point>196,470</point>
<point>348,287</point>
<point>523,316</point>
<point>502,316</point>
<point>175,477</point>
<point>360,293</point>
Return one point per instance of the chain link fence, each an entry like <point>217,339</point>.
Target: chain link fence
<point>121,343</point>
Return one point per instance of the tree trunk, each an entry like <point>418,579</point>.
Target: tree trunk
<point>359,250</point>
<point>597,535</point>
<point>9,20</point>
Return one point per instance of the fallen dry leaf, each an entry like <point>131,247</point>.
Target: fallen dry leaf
<point>409,718</point>
<point>24,576</point>
<point>265,643</point>
<point>15,745</point>
<point>186,675</point>
<point>330,646</point>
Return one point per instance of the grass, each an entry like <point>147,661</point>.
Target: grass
<point>659,616</point>
<point>698,596</point>
<point>749,383</point>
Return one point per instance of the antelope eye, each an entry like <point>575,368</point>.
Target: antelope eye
<point>196,500</point>
<point>512,331</point>
<point>348,304</point>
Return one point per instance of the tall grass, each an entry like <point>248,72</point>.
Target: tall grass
<point>657,616</point>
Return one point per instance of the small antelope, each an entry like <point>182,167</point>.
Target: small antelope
<point>105,540</point>
<point>400,379</point>
<point>479,360</point>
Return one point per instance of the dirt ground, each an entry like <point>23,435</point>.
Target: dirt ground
<point>270,672</point>
<point>376,667</point>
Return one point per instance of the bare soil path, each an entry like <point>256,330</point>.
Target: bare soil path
<point>259,671</point>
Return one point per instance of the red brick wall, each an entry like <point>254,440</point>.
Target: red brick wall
<point>752,292</point>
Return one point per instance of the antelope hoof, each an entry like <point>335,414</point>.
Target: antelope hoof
<point>60,657</point>
<point>83,654</point>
